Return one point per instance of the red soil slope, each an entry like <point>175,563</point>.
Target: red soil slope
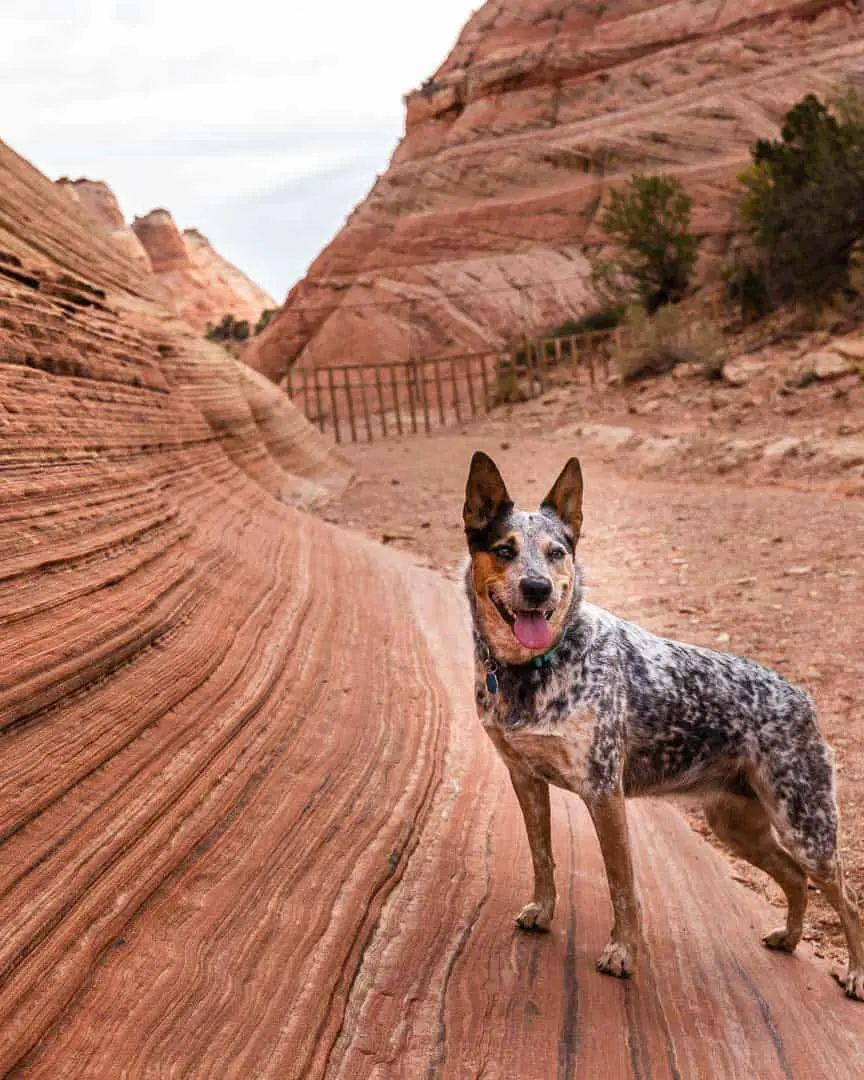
<point>249,826</point>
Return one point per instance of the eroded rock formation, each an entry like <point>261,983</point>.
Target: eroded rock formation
<point>249,826</point>
<point>99,201</point>
<point>478,230</point>
<point>202,285</point>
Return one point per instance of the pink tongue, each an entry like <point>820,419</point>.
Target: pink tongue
<point>533,631</point>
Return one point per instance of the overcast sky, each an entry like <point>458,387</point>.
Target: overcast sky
<point>261,122</point>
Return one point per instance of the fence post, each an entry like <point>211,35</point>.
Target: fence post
<point>469,375</point>
<point>318,408</point>
<point>381,408</point>
<point>455,390</point>
<point>346,373</point>
<point>396,405</point>
<point>361,376</point>
<point>484,378</point>
<point>424,390</point>
<point>436,368</point>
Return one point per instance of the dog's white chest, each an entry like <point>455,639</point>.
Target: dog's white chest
<point>558,754</point>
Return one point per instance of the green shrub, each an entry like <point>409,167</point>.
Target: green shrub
<point>264,318</point>
<point>605,318</point>
<point>648,222</point>
<point>747,288</point>
<point>804,199</point>
<point>229,329</point>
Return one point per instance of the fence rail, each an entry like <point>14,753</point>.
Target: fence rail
<point>359,403</point>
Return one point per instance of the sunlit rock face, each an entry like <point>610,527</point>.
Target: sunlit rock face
<point>479,228</point>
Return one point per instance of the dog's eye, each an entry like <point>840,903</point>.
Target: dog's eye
<point>505,552</point>
<point>555,554</point>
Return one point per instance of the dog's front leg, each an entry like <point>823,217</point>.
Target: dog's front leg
<point>533,796</point>
<point>610,820</point>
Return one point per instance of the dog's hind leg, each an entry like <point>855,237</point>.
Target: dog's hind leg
<point>844,901</point>
<point>610,821</point>
<point>743,824</point>
<point>533,796</point>
<point>799,795</point>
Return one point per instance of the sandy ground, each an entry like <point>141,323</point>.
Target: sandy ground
<point>772,572</point>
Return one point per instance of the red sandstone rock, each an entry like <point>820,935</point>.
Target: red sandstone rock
<point>478,230</point>
<point>249,824</point>
<point>99,201</point>
<point>202,284</point>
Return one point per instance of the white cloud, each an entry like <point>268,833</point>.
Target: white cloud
<point>219,111</point>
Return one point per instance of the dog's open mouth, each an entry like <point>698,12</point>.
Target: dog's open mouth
<point>531,628</point>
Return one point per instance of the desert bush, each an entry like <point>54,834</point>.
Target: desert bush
<point>229,329</point>
<point>653,344</point>
<point>604,318</point>
<point>648,223</point>
<point>804,200</point>
<point>264,319</point>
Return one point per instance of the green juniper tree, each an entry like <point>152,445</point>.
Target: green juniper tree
<point>804,201</point>
<point>648,222</point>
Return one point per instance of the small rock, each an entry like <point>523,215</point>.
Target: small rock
<point>851,347</point>
<point>741,369</point>
<point>798,571</point>
<point>505,445</point>
<point>745,581</point>
<point>828,365</point>
<point>722,639</point>
<point>781,447</point>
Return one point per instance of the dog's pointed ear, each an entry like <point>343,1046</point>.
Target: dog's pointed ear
<point>485,493</point>
<point>565,498</point>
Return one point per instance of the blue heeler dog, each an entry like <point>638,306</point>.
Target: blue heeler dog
<point>573,696</point>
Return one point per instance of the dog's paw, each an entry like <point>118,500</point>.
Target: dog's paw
<point>852,983</point>
<point>782,940</point>
<point>618,960</point>
<point>534,916</point>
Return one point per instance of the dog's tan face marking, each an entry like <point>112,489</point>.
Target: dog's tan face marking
<point>522,565</point>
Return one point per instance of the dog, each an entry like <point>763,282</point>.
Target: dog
<point>573,696</point>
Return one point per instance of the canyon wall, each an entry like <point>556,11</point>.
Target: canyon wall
<point>478,231</point>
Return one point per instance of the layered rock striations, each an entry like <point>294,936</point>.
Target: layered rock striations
<point>479,229</point>
<point>202,285</point>
<point>249,826</point>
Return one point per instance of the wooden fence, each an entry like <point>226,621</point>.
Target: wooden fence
<point>359,403</point>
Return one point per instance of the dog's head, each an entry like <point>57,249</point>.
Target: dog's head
<point>523,571</point>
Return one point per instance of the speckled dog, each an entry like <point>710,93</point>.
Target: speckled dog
<point>573,696</point>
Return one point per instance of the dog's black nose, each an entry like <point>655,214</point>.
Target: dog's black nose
<point>535,590</point>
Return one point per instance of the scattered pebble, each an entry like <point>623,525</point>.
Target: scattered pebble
<point>798,571</point>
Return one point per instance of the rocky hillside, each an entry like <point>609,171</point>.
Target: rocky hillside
<point>480,226</point>
<point>202,285</point>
